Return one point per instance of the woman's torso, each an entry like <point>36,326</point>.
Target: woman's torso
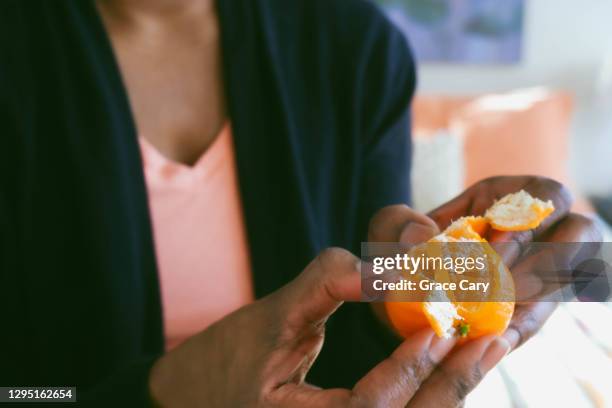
<point>199,235</point>
<point>321,140</point>
<point>171,69</point>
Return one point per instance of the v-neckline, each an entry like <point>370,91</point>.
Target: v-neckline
<point>205,156</point>
<point>157,166</point>
<point>238,21</point>
<point>118,75</point>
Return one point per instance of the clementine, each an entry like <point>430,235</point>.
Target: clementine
<point>449,313</point>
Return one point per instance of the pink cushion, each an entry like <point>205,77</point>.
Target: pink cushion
<point>523,132</point>
<point>516,134</point>
<point>434,112</point>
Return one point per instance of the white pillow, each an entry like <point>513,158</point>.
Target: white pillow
<point>438,169</point>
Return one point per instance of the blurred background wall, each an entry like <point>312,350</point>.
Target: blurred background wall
<point>568,46</point>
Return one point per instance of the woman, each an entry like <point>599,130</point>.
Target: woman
<point>310,98</point>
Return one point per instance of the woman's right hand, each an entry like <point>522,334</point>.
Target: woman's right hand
<point>260,355</point>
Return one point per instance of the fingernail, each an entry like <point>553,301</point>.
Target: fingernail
<point>358,265</point>
<point>415,233</point>
<point>440,347</point>
<point>494,353</point>
<point>513,337</point>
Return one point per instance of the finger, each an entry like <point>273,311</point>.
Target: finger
<point>330,279</point>
<point>528,275</point>
<point>396,223</point>
<point>546,273</point>
<point>574,228</point>
<point>528,318</point>
<point>305,395</point>
<point>544,189</point>
<point>400,223</point>
<point>304,305</point>
<point>549,267</point>
<point>576,241</point>
<point>390,384</point>
<point>394,381</point>
<point>478,198</point>
<point>457,376</point>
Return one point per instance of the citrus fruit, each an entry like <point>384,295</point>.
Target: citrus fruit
<point>456,313</point>
<point>518,212</point>
<point>471,228</point>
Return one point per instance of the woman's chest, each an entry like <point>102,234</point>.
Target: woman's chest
<point>175,89</point>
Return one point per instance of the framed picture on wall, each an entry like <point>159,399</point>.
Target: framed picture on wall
<point>461,31</point>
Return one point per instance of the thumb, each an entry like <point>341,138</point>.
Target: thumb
<point>330,279</point>
<point>400,223</point>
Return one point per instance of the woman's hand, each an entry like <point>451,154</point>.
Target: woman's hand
<point>402,224</point>
<point>561,227</point>
<point>260,355</point>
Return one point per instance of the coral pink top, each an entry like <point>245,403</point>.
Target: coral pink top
<point>200,238</point>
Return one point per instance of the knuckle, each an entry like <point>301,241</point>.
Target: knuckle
<point>519,332</point>
<point>591,231</point>
<point>330,259</point>
<point>522,239</point>
<point>296,326</point>
<point>465,382</point>
<point>526,325</point>
<point>580,220</point>
<point>492,180</point>
<point>566,195</point>
<point>529,324</point>
<point>563,192</point>
<point>409,372</point>
<point>459,382</point>
<point>425,364</point>
<point>537,179</point>
<point>551,182</point>
<point>379,222</point>
<point>415,371</point>
<point>359,401</point>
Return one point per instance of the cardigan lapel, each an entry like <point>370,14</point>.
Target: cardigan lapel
<point>272,193</point>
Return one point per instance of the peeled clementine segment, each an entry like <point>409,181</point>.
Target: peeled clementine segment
<point>518,212</point>
<point>442,317</point>
<point>454,313</point>
<point>472,228</point>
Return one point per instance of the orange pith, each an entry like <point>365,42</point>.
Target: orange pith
<point>479,318</point>
<point>518,212</point>
<point>539,214</point>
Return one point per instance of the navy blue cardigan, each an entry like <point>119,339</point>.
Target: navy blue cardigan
<point>318,94</point>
